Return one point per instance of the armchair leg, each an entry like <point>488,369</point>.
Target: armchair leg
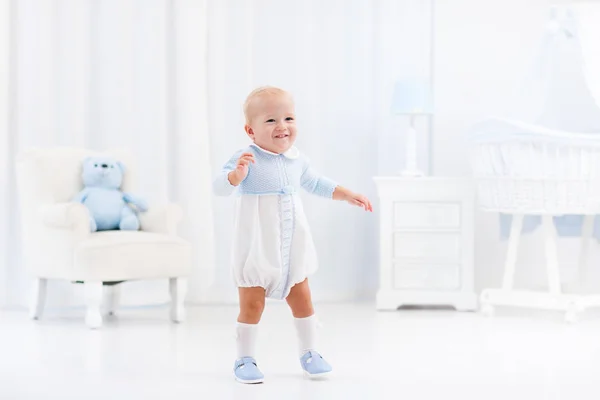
<point>178,289</point>
<point>93,300</point>
<point>38,298</point>
<point>113,294</point>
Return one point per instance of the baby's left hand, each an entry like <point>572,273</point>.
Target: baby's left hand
<point>360,201</point>
<point>353,198</point>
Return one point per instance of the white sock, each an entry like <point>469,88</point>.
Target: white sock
<point>246,339</point>
<point>306,328</point>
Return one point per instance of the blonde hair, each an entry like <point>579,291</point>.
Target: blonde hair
<point>259,93</point>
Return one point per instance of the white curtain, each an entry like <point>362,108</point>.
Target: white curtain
<point>165,76</point>
<point>105,74</point>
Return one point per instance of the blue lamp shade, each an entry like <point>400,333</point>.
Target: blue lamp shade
<point>412,97</point>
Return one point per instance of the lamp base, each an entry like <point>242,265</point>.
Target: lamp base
<point>411,169</point>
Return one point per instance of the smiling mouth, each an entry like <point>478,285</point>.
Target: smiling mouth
<point>281,136</point>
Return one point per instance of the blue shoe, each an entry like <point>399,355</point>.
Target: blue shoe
<point>246,371</point>
<point>314,365</point>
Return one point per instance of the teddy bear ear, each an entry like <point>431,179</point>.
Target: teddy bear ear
<point>121,166</point>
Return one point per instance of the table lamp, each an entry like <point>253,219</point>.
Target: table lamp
<point>412,98</point>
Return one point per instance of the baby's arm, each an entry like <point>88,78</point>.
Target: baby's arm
<point>322,186</point>
<point>317,184</point>
<point>232,174</point>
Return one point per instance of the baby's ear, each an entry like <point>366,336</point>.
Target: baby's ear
<point>249,131</point>
<point>121,166</point>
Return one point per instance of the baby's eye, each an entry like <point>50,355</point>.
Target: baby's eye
<point>271,120</point>
<point>289,119</point>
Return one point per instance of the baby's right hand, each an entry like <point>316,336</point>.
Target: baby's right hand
<point>241,170</point>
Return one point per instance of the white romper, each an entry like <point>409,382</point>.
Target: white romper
<point>272,244</point>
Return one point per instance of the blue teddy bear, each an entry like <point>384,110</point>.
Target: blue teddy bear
<point>109,207</point>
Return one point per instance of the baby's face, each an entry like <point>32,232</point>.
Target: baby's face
<point>273,123</point>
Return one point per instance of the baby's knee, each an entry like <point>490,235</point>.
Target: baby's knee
<point>254,306</point>
<point>251,310</point>
<point>302,308</point>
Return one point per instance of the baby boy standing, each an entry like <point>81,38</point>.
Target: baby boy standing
<point>273,250</point>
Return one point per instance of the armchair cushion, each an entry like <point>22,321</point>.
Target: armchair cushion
<point>128,255</point>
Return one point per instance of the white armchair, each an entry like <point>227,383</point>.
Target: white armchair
<point>57,242</point>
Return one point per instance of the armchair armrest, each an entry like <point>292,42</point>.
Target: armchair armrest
<point>73,216</point>
<point>161,219</point>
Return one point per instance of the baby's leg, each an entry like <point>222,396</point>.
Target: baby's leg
<point>300,302</point>
<point>252,304</point>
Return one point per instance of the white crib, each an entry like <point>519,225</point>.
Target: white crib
<point>523,170</point>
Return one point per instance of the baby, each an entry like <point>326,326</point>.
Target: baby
<point>273,250</point>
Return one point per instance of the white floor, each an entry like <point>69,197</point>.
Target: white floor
<point>408,354</point>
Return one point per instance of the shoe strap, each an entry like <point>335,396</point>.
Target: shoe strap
<point>244,361</point>
<point>310,354</point>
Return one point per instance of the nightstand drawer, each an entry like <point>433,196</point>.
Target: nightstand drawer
<point>426,215</point>
<point>432,277</point>
<point>428,246</point>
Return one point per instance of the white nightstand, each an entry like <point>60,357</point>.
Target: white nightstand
<point>426,242</point>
